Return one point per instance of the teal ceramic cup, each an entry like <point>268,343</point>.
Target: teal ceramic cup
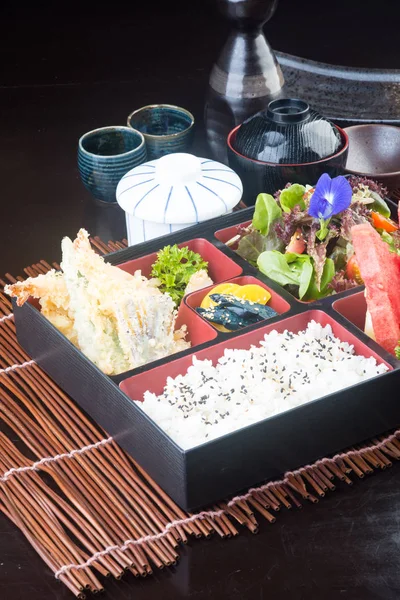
<point>166,128</point>
<point>105,155</point>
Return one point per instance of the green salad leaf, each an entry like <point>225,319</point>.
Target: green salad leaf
<point>392,239</point>
<point>274,264</point>
<point>303,266</point>
<point>313,293</point>
<point>292,196</point>
<point>287,269</point>
<point>324,229</point>
<point>379,205</point>
<point>397,351</point>
<point>254,243</point>
<point>306,278</point>
<point>339,256</point>
<point>386,237</point>
<point>297,269</point>
<point>266,211</point>
<point>174,267</point>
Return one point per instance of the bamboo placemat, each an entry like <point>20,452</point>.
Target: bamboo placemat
<point>88,509</point>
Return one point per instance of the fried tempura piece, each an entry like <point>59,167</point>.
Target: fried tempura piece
<point>118,320</point>
<point>43,286</point>
<point>198,281</point>
<point>52,293</point>
<point>122,320</point>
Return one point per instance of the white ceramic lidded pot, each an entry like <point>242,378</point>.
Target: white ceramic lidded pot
<point>173,192</point>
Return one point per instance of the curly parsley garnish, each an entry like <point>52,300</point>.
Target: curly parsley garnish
<point>174,267</point>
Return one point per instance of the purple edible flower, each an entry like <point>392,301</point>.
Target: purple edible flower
<point>330,197</point>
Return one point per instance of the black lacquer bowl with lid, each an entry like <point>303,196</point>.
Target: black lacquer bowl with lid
<point>287,142</point>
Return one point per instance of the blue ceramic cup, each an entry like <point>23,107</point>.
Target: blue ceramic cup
<point>166,128</point>
<point>105,155</point>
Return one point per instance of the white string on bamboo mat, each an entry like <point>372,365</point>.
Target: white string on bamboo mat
<point>51,459</point>
<point>217,513</point>
<point>28,363</point>
<point>10,316</point>
<point>16,366</point>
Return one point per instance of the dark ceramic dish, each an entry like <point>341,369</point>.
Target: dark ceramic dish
<point>346,95</point>
<point>105,155</point>
<point>258,176</point>
<point>217,469</point>
<point>374,151</point>
<point>287,132</point>
<point>166,128</point>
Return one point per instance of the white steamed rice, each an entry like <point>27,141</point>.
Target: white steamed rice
<point>246,386</point>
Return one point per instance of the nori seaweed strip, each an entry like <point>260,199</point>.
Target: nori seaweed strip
<point>228,300</point>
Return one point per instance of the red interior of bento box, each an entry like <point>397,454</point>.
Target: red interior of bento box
<point>154,380</point>
<point>276,302</point>
<point>220,267</point>
<point>353,308</point>
<point>224,235</point>
<point>198,330</point>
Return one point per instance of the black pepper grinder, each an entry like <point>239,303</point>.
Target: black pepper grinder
<point>246,76</point>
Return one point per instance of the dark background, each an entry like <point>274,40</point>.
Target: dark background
<point>68,67</point>
<point>70,42</point>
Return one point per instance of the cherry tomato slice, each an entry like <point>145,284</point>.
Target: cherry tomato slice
<point>352,270</point>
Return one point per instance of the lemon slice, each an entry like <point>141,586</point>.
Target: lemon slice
<point>254,293</point>
<point>222,288</point>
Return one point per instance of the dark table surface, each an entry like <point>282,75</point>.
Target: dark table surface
<point>69,68</point>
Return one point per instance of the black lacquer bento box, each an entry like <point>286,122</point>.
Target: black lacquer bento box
<point>248,456</point>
